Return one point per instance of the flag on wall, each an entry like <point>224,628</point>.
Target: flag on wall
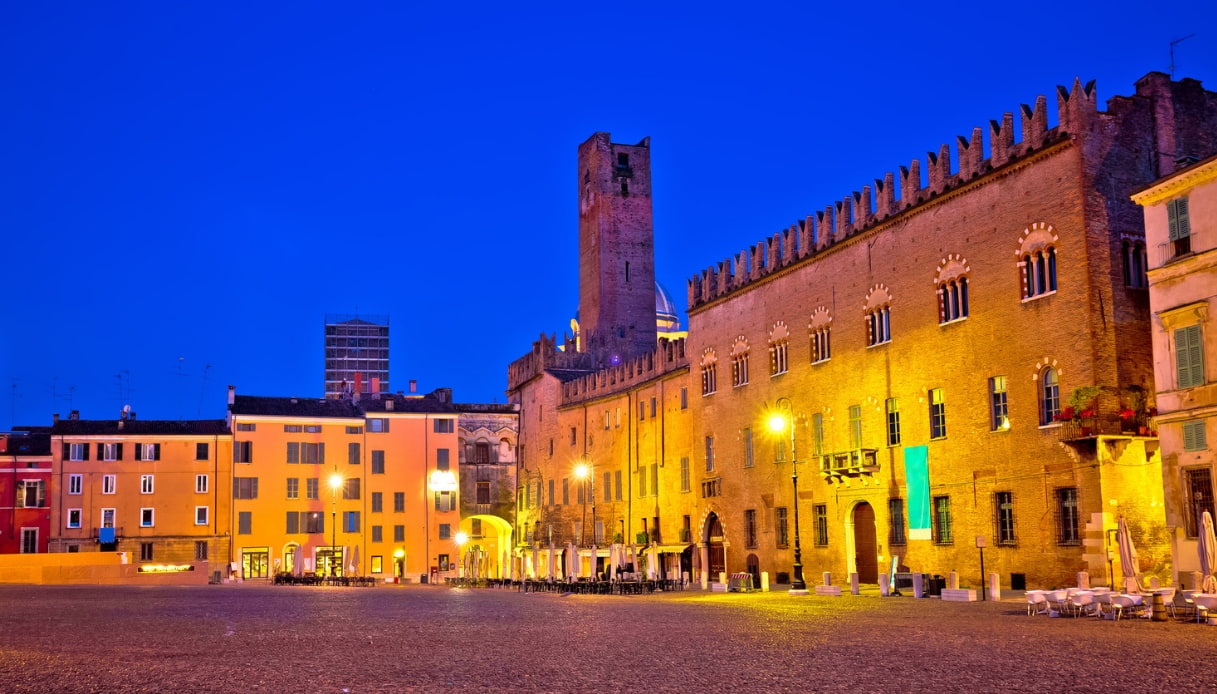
<point>917,477</point>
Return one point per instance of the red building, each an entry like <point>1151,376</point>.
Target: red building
<point>25,476</point>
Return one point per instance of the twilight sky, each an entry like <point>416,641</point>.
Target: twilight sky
<point>187,189</point>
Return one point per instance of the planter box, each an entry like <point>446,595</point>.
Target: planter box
<point>958,595</point>
<point>828,590</point>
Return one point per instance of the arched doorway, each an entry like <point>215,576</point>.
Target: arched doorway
<point>714,542</point>
<point>753,563</point>
<point>866,554</point>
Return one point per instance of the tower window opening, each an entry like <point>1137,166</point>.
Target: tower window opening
<point>627,271</point>
<point>623,160</point>
<point>625,187</point>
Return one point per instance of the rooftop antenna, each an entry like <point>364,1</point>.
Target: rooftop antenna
<point>203,389</point>
<point>1173,44</point>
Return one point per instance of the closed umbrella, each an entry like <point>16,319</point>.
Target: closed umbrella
<point>297,561</point>
<point>653,562</point>
<point>614,559</point>
<point>355,561</point>
<point>572,561</point>
<point>1208,553</point>
<point>549,568</point>
<point>1128,555</point>
<point>532,569</point>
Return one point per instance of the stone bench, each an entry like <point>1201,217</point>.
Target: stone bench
<point>958,595</point>
<point>828,590</point>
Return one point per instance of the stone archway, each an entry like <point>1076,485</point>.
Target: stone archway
<point>492,535</point>
<point>716,551</point>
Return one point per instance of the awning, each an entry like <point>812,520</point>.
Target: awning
<point>600,552</point>
<point>105,534</point>
<point>673,549</point>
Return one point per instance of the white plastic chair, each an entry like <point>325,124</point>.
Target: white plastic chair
<point>1083,602</point>
<point>1037,603</point>
<point>1102,602</point>
<point>1058,601</point>
<point>1126,603</point>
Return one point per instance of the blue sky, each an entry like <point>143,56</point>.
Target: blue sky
<point>187,189</point>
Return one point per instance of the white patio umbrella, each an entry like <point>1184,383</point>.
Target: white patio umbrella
<point>572,561</point>
<point>355,560</point>
<point>1208,553</point>
<point>297,561</point>
<point>549,568</point>
<point>653,562</point>
<point>615,559</point>
<point>533,572</point>
<point>1128,554</point>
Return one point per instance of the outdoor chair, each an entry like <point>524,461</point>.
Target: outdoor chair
<point>1083,602</point>
<point>1102,602</point>
<point>1058,601</point>
<point>1037,603</point>
<point>1183,601</point>
<point>1126,604</point>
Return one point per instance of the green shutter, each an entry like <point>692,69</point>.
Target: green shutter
<point>1194,438</point>
<point>1189,357</point>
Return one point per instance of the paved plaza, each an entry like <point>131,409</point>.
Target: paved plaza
<point>245,638</point>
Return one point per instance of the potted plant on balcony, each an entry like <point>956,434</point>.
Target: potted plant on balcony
<point>1083,401</point>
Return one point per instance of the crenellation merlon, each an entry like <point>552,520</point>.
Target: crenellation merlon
<point>910,184</point>
<point>1034,123</point>
<point>1001,140</point>
<point>862,208</point>
<point>971,155</point>
<point>1076,107</point>
<point>938,168</point>
<point>885,196</point>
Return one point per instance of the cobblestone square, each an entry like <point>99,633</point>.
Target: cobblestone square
<point>429,638</point>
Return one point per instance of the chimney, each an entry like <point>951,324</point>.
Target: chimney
<point>413,386</point>
<point>74,415</point>
<point>232,395</point>
<point>55,418</point>
<point>121,422</point>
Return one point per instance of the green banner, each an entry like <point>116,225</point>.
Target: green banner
<point>917,477</point>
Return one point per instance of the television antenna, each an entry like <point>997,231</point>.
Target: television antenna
<point>1173,44</point>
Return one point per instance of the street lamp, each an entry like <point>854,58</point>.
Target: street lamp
<point>335,485</point>
<point>583,471</point>
<point>777,423</point>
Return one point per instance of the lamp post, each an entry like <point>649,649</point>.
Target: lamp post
<point>777,422</point>
<point>335,485</point>
<point>583,471</point>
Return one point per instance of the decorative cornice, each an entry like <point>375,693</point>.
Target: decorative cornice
<point>1176,184</point>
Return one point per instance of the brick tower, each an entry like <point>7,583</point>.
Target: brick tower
<point>616,250</point>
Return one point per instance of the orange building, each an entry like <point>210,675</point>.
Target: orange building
<point>153,490</point>
<point>340,487</point>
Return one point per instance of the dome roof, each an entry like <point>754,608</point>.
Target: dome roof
<point>664,306</point>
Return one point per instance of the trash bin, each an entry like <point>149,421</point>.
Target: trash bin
<point>936,584</point>
<point>422,579</point>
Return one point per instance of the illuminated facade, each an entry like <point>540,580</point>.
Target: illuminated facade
<point>960,351</point>
<point>1181,240</point>
<point>154,490</point>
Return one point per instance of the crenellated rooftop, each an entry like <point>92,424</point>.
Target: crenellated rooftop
<point>865,209</point>
<point>668,356</point>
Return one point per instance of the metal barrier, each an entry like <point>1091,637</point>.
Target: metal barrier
<point>740,583</point>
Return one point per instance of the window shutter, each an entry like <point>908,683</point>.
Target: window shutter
<point>321,452</point>
<point>101,454</point>
<point>85,448</point>
<point>118,451</point>
<point>139,451</point>
<point>1182,221</point>
<point>156,451</point>
<point>67,451</point>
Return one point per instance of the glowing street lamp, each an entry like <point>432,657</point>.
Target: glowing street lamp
<point>778,422</point>
<point>461,538</point>
<point>335,485</point>
<point>583,471</point>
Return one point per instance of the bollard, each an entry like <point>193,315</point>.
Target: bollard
<point>764,581</point>
<point>827,578</point>
<point>953,580</point>
<point>1084,580</point>
<point>994,586</point>
<point>885,588</point>
<point>853,583</point>
<point>918,586</point>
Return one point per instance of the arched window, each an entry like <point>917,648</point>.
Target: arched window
<point>1037,260</point>
<point>709,371</point>
<point>819,327</point>
<point>739,362</point>
<point>779,341</point>
<point>1135,264</point>
<point>878,316</point>
<point>1050,396</point>
<point>952,284</point>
